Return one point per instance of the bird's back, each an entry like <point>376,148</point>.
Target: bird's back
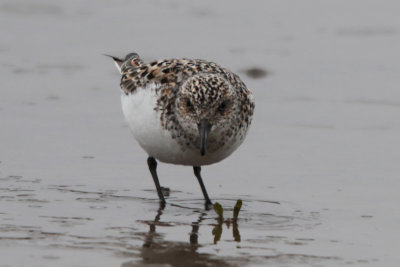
<point>171,73</point>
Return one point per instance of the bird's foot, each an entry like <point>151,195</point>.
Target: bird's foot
<point>165,191</point>
<point>208,205</point>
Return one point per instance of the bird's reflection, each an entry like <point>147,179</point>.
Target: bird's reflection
<point>152,231</point>
<point>157,251</point>
<point>194,234</point>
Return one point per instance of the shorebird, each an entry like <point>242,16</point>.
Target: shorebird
<point>184,111</point>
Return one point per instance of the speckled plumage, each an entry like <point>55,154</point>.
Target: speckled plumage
<point>165,101</point>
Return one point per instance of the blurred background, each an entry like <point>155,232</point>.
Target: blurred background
<point>324,140</point>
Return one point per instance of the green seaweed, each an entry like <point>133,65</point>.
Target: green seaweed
<point>217,230</point>
<point>237,208</point>
<point>218,209</point>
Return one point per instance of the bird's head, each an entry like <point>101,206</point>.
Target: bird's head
<point>206,107</point>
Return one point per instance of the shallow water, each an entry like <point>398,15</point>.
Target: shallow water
<point>48,223</point>
<point>318,173</point>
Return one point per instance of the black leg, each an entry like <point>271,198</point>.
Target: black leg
<point>197,170</point>
<point>153,170</point>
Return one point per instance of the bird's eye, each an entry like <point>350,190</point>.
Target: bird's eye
<point>222,106</point>
<point>189,104</point>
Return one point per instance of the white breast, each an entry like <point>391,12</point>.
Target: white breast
<point>144,122</point>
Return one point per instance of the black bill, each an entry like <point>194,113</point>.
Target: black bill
<point>204,129</point>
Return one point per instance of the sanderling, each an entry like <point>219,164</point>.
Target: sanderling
<point>184,111</point>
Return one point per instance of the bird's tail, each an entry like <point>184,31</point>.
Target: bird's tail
<point>131,60</point>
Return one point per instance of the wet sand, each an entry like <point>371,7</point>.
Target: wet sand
<point>318,173</point>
